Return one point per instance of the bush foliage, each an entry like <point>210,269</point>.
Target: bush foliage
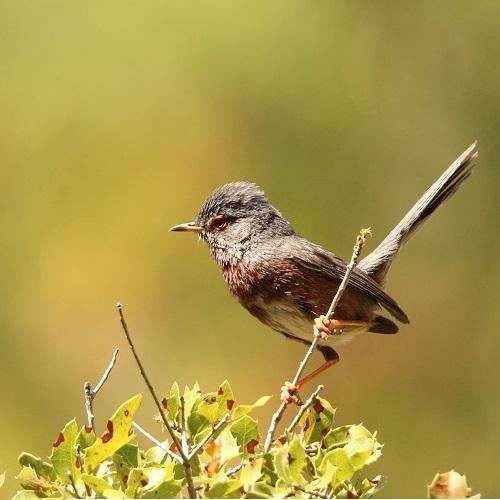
<point>316,459</point>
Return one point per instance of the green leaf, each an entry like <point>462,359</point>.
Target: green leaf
<point>42,469</point>
<point>265,490</point>
<point>26,478</point>
<point>241,410</point>
<point>64,457</point>
<point>369,487</point>
<point>225,399</point>
<point>98,484</point>
<point>118,434</point>
<point>281,465</point>
<point>224,489</point>
<point>191,399</point>
<point>173,402</point>
<point>25,495</point>
<point>133,482</point>
<point>296,460</point>
<point>126,458</point>
<point>198,425</point>
<point>209,407</point>
<point>362,447</point>
<point>251,472</point>
<point>86,437</point>
<point>344,467</point>
<point>246,433</point>
<point>317,420</point>
<point>161,482</point>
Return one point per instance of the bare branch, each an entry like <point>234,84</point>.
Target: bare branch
<point>155,441</point>
<point>305,407</point>
<point>90,393</point>
<point>205,440</point>
<point>185,460</point>
<point>360,241</point>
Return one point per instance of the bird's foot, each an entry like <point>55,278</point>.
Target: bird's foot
<point>290,394</point>
<point>324,328</point>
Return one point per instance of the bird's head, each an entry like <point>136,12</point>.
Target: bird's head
<point>235,218</point>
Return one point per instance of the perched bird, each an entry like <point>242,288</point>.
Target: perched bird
<point>288,282</point>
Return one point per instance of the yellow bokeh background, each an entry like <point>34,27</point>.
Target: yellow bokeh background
<point>118,118</point>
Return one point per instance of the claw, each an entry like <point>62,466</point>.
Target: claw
<point>290,394</point>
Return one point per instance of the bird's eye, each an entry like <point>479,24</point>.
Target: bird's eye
<point>219,222</point>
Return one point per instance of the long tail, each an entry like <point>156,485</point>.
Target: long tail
<point>377,263</point>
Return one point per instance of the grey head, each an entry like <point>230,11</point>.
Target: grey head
<point>235,218</point>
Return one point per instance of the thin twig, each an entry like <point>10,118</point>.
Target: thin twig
<point>235,469</point>
<point>305,407</point>
<point>155,441</point>
<point>205,440</point>
<point>185,461</point>
<point>90,393</point>
<point>360,241</point>
<point>185,447</point>
<point>311,493</point>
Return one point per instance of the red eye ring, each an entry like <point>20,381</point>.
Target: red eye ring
<point>219,222</point>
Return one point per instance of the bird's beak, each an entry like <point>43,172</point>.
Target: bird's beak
<point>190,226</point>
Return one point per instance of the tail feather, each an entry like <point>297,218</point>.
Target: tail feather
<point>377,263</point>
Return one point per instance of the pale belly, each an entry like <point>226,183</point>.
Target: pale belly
<point>282,316</point>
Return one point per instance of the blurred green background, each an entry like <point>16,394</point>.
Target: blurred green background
<point>118,118</point>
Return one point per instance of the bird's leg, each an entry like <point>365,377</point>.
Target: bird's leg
<point>290,392</point>
<point>324,327</point>
<point>331,358</point>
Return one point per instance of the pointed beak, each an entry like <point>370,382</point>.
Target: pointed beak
<point>190,226</point>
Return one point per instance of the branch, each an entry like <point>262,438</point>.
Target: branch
<point>90,393</point>
<point>360,241</point>
<point>205,440</point>
<point>305,407</point>
<point>185,460</point>
<point>155,441</point>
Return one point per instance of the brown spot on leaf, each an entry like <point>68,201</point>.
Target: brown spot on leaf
<point>251,446</point>
<point>307,424</point>
<point>281,440</point>
<point>109,433</point>
<point>318,407</point>
<point>230,404</point>
<point>87,429</point>
<point>125,478</point>
<point>78,462</point>
<point>164,403</point>
<point>130,431</point>
<point>127,413</point>
<point>144,482</point>
<point>59,440</point>
<point>220,392</point>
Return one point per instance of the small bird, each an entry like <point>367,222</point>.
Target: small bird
<point>288,282</point>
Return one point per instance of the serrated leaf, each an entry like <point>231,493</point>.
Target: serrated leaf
<point>209,407</point>
<point>126,458</point>
<point>173,402</point>
<point>241,410</point>
<point>296,460</point>
<point>64,459</point>
<point>198,425</point>
<point>42,469</point>
<point>86,437</point>
<point>133,482</point>
<point>225,399</point>
<point>25,495</point>
<point>344,467</point>
<point>281,465</point>
<point>119,432</point>
<point>246,432</point>
<point>192,398</point>
<point>317,420</point>
<point>251,472</point>
<point>224,489</point>
<point>262,489</point>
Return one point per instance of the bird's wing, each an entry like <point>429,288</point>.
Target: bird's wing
<point>315,258</point>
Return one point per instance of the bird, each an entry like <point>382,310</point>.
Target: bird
<point>288,282</point>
